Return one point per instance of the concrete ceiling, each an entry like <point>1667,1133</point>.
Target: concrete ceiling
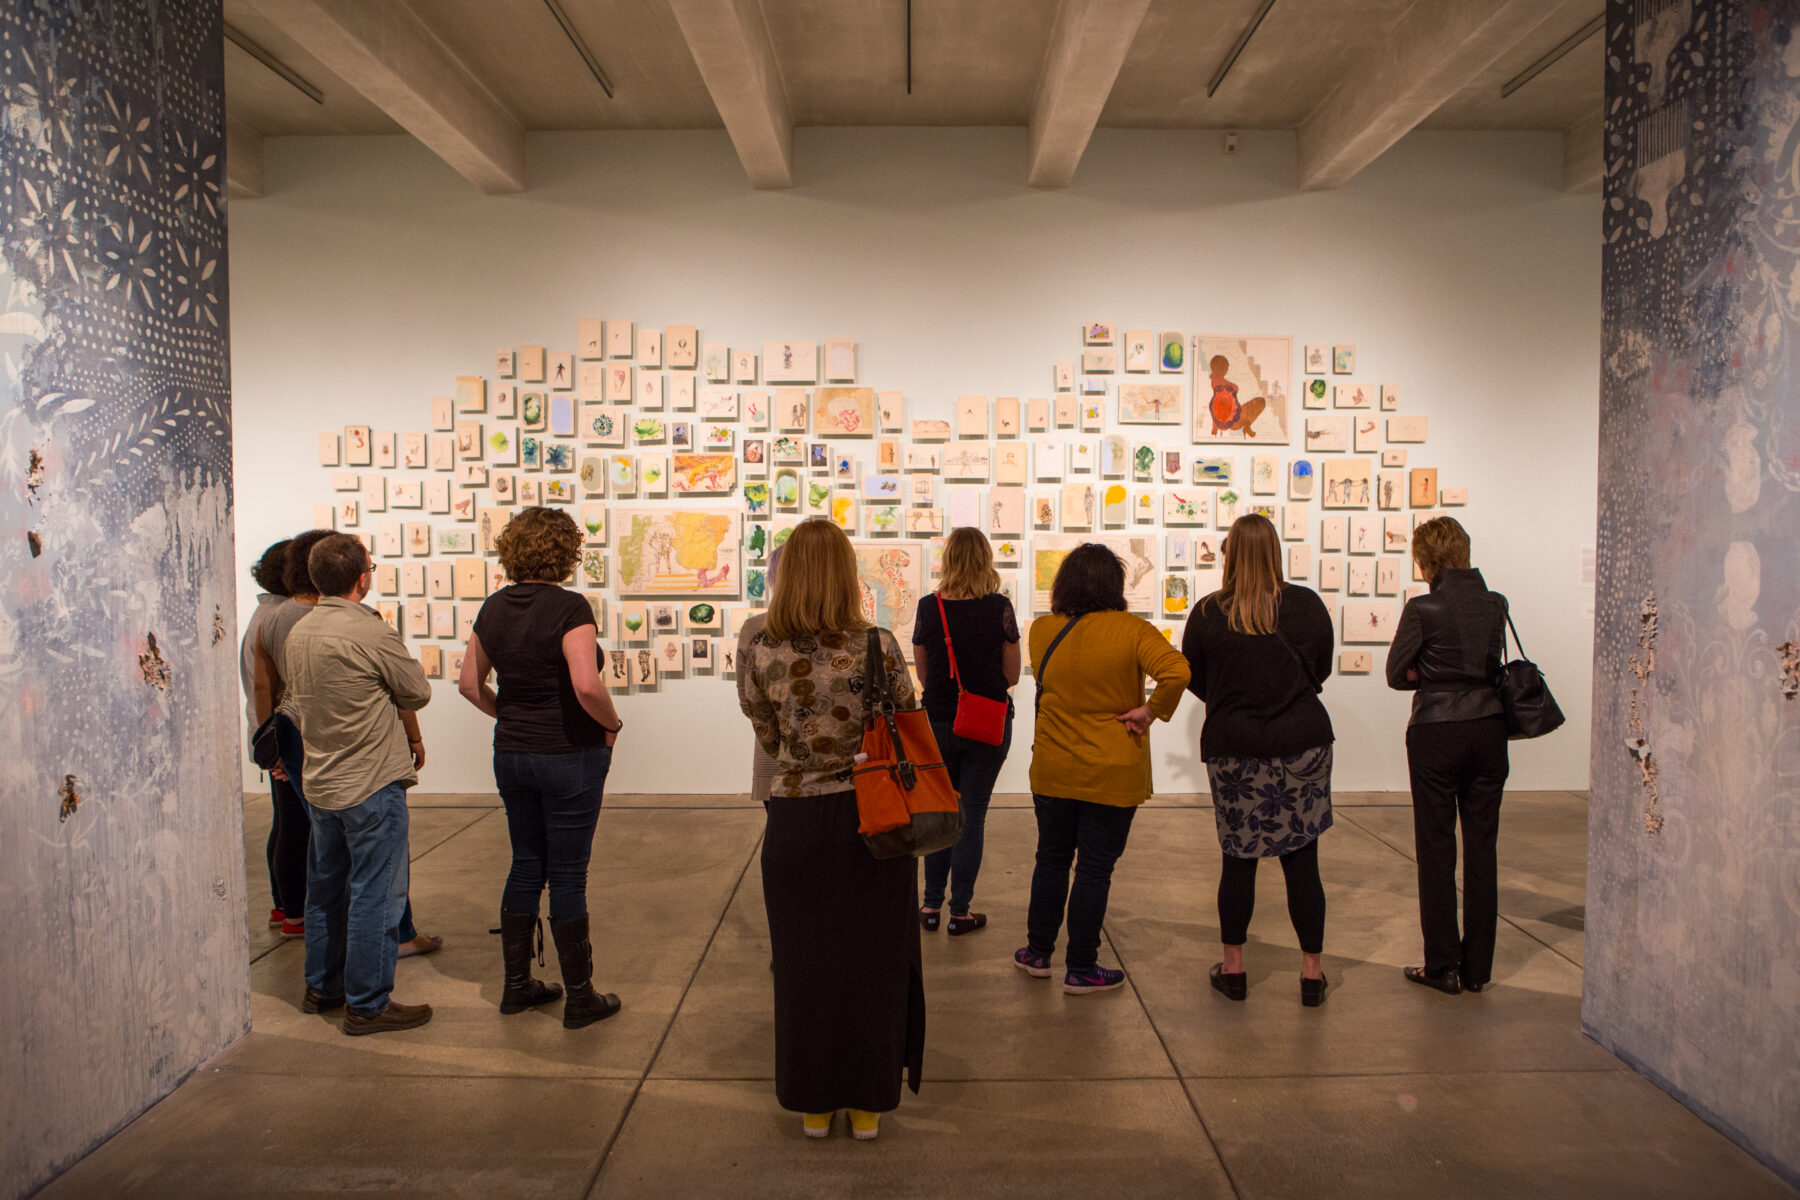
<point>771,65</point>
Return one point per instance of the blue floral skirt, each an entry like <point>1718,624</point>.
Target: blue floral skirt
<point>1267,807</point>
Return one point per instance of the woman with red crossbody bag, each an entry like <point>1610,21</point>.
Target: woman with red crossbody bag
<point>966,650</point>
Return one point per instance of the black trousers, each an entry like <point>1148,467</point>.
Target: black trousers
<point>290,835</point>
<point>1305,896</point>
<point>1090,837</point>
<point>1458,770</point>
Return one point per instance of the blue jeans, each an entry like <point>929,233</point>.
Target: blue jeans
<point>293,761</point>
<point>1098,832</point>
<point>552,805</point>
<point>355,892</point>
<point>973,767</point>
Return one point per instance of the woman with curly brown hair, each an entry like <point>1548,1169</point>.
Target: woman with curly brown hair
<point>554,726</point>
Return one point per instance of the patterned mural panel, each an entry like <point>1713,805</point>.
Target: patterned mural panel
<point>1694,855</point>
<point>120,824</point>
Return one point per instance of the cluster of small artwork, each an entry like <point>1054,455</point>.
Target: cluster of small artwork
<point>686,463</point>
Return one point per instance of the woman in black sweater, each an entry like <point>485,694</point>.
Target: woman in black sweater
<point>1258,649</point>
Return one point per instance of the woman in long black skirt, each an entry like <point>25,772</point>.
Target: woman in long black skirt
<point>849,993</point>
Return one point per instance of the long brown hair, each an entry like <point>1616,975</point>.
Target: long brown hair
<point>820,591</point>
<point>1250,594</point>
<point>968,571</point>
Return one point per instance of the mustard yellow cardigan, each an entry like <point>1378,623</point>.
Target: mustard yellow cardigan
<point>1079,751</point>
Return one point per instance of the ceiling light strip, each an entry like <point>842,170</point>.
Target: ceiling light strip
<point>237,38</point>
<point>1555,56</point>
<point>587,56</point>
<point>1237,47</point>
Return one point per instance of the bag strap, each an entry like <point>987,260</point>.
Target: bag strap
<point>875,669</point>
<point>1515,637</point>
<point>1312,680</point>
<point>1038,675</point>
<point>944,618</point>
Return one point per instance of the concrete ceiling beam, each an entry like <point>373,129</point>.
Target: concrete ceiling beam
<point>729,40</point>
<point>1433,51</point>
<point>1088,45</point>
<point>1584,154</point>
<point>383,50</point>
<point>243,159</point>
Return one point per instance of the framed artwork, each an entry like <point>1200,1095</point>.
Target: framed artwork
<point>818,456</point>
<point>1365,533</point>
<point>1172,467</point>
<point>1115,456</point>
<point>648,393</point>
<point>971,416</point>
<point>883,519</point>
<point>1177,552</point>
<point>1006,512</point>
<point>503,400</point>
<point>590,338</point>
<point>618,383</point>
<point>1099,362</point>
<point>622,474</point>
<point>1396,534</point>
<point>845,412</point>
<point>791,408</point>
<point>1068,412</point>
<point>1347,483</point>
<point>1359,577</point>
<point>560,373</point>
<point>328,450</point>
<point>1175,595</point>
<point>1328,434</point>
<point>1243,388</point>
<point>1093,385</point>
<point>680,391</point>
<point>923,491</point>
<point>1214,471</point>
<point>718,439</point>
<point>786,488</point>
<point>1043,512</point>
<point>559,456</point>
<point>1365,433</point>
<point>715,362</point>
<point>885,489</point>
<point>502,447</point>
<point>1264,474</point>
<point>531,364</point>
<point>1353,395</point>
<point>1077,506</point>
<point>1317,358</point>
<point>1099,333</point>
<point>1037,414</point>
<point>1315,393</point>
<point>1293,525</point>
<point>1390,397</point>
<point>1093,417</point>
<point>893,579</point>
<point>443,454</point>
<point>743,367</point>
<point>602,426</point>
<point>590,381</point>
<point>1081,457</point>
<point>1343,359</point>
<point>504,362</point>
<point>653,474</point>
<point>1138,349</point>
<point>593,524</point>
<point>1172,352</point>
<point>1062,375</point>
<point>1225,509</point>
<point>677,551</point>
<point>964,506</point>
<point>681,435</point>
<point>1453,497</point>
<point>468,441</point>
<point>892,406</point>
<point>530,494</point>
<point>756,498</point>
<point>1300,479</point>
<point>1390,490</point>
<point>840,360</point>
<point>681,346</point>
<point>757,407</point>
<point>359,446</point>
<point>1331,573</point>
<point>923,522</point>
<point>1355,662</point>
<point>718,404</point>
<point>1050,457</point>
<point>790,362</point>
<point>1143,462</point>
<point>1137,551</point>
<point>1424,487</point>
<point>534,410</point>
<point>1369,621</point>
<point>385,453</point>
<point>437,494</point>
<point>1206,551</point>
<point>696,474</point>
<point>1149,404</point>
<point>562,414</point>
<point>1391,457</point>
<point>346,481</point>
<point>843,512</point>
<point>1006,416</point>
<point>1409,428</point>
<point>1186,508</point>
<point>650,347</point>
<point>788,450</point>
<point>845,468</point>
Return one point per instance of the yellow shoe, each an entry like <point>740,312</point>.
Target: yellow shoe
<point>864,1126</point>
<point>816,1125</point>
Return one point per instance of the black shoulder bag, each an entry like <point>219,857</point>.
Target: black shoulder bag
<point>1531,711</point>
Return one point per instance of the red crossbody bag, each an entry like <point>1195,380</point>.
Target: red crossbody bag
<point>977,718</point>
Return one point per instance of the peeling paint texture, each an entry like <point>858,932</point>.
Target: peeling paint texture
<point>1694,848</point>
<point>119,727</point>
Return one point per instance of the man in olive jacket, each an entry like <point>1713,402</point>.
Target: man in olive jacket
<point>352,689</point>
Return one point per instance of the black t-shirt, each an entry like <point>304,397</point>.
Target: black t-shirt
<point>1259,703</point>
<point>521,629</point>
<point>982,630</point>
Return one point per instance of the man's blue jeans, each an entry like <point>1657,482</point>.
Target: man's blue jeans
<point>355,894</point>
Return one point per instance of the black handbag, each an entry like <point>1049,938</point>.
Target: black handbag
<point>1531,711</point>
<point>265,745</point>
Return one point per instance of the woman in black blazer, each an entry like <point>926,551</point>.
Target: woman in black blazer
<point>1447,652</point>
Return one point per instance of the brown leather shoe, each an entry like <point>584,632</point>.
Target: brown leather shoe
<point>316,1003</point>
<point>390,1019</point>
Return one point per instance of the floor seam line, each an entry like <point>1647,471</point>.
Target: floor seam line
<point>452,837</point>
<point>1459,891</point>
<point>1193,1105</point>
<point>637,1090</point>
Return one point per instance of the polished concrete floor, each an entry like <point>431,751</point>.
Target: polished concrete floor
<point>1160,1089</point>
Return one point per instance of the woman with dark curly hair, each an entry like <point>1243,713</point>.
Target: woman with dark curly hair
<point>1259,651</point>
<point>554,726</point>
<point>290,829</point>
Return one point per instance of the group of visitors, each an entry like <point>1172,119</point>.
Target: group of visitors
<point>845,927</point>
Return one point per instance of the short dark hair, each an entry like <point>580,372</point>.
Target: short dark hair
<point>337,562</point>
<point>270,571</point>
<point>298,577</point>
<point>1091,579</point>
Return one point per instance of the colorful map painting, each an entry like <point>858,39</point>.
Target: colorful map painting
<point>677,551</point>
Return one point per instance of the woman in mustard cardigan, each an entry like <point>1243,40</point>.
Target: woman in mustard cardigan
<point>1090,757</point>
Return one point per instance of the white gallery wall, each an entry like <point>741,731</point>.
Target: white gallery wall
<point>371,275</point>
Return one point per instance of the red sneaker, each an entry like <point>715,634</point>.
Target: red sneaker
<point>275,918</point>
<point>293,928</point>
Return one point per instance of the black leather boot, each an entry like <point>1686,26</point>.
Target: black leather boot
<point>522,991</point>
<point>576,955</point>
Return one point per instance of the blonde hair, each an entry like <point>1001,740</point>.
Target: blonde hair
<point>1440,544</point>
<point>1250,593</point>
<point>968,571</point>
<point>820,591</point>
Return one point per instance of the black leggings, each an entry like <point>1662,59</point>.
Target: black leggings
<point>1306,897</point>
